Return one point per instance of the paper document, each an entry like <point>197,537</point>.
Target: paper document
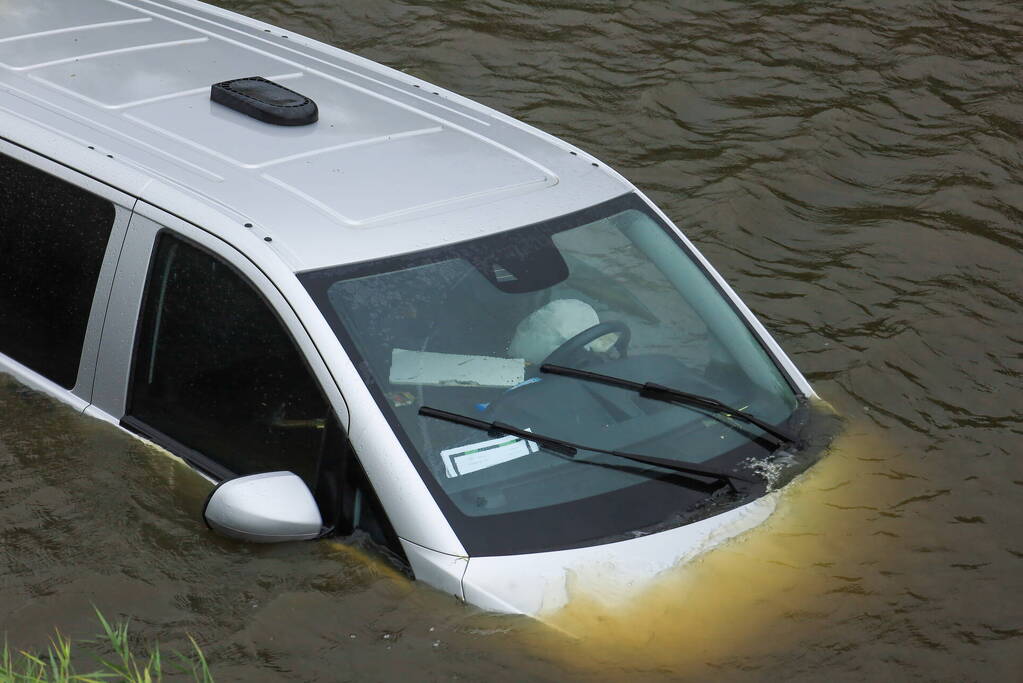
<point>427,368</point>
<point>479,456</point>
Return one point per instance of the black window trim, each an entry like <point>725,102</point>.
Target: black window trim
<point>194,458</point>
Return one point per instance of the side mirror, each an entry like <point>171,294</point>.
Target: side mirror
<point>264,508</point>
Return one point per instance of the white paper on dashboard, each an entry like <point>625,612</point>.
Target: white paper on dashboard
<point>428,368</point>
<point>481,455</point>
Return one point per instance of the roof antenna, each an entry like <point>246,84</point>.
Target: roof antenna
<point>266,101</point>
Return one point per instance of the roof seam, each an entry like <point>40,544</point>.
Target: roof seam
<point>117,51</point>
<point>69,29</point>
<point>320,58</point>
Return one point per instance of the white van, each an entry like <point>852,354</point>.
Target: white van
<point>357,301</point>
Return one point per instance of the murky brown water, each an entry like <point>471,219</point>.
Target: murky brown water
<point>855,171</point>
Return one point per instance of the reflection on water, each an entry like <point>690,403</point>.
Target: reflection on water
<point>854,170</point>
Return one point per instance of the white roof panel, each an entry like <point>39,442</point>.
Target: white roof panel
<point>418,171</point>
<point>393,164</point>
<point>52,48</point>
<point>28,20</point>
<point>348,117</point>
<point>149,73</point>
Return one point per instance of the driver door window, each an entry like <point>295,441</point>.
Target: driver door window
<point>216,372</point>
<point>218,379</point>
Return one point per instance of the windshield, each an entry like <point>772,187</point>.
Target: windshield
<point>465,328</point>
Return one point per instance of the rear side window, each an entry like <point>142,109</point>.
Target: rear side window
<point>216,371</point>
<point>53,236</point>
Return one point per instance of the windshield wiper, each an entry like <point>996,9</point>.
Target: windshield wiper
<point>570,449</point>
<point>659,392</point>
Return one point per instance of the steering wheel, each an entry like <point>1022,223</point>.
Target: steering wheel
<point>570,348</point>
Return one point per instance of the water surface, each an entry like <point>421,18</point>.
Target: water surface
<point>854,171</point>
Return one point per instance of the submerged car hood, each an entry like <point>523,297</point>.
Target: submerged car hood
<point>540,583</point>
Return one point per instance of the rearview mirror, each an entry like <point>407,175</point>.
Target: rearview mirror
<point>264,508</point>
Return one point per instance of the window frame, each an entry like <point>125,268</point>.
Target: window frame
<point>121,336</point>
<point>80,395</point>
<point>196,458</point>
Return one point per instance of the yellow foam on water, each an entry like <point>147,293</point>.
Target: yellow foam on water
<point>376,564</point>
<point>745,595</point>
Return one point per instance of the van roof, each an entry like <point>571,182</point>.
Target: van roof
<point>393,164</point>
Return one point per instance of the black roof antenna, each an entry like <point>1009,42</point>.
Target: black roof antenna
<point>266,101</point>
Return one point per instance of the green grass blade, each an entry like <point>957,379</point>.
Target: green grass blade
<point>55,666</point>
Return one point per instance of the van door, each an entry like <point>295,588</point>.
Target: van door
<point>222,373</point>
<point>60,234</point>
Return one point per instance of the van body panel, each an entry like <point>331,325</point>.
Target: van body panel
<point>540,583</point>
<point>440,570</point>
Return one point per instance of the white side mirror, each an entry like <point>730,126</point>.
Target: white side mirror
<point>264,508</point>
